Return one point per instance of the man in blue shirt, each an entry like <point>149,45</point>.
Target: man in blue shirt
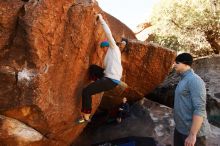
<point>190,115</point>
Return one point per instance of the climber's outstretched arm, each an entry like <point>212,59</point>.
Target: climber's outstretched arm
<point>107,32</point>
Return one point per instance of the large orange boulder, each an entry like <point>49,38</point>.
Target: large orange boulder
<point>46,48</point>
<point>145,66</point>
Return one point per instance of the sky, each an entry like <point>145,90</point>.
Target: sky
<point>130,12</point>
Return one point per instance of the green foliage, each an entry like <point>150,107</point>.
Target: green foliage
<point>187,25</point>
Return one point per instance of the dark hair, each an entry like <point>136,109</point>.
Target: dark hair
<point>185,58</point>
<point>126,49</point>
<point>124,39</point>
<point>95,72</point>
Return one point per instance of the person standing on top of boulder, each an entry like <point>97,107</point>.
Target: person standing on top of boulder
<point>190,114</point>
<point>112,72</point>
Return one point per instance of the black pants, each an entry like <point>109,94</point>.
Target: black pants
<point>103,84</point>
<point>122,114</point>
<point>179,139</point>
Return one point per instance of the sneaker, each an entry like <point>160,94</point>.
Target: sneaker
<point>83,120</point>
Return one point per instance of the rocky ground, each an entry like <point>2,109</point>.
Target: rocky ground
<point>148,119</point>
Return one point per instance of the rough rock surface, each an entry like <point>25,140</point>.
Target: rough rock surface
<point>145,66</point>
<point>208,68</point>
<point>45,49</point>
<point>148,119</point>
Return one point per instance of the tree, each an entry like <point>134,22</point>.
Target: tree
<point>187,25</point>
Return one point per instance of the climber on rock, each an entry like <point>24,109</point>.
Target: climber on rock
<point>123,45</point>
<point>112,72</point>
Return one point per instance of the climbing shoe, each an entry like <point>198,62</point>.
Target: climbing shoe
<point>82,120</point>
